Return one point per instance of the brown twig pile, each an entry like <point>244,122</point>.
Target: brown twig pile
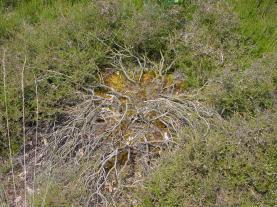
<point>110,141</point>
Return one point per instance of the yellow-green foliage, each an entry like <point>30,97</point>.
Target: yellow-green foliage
<point>116,81</point>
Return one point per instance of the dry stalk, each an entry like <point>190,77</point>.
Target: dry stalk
<point>24,133</point>
<point>36,140</point>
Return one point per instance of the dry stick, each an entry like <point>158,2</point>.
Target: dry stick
<point>36,141</point>
<point>24,135</point>
<point>7,121</point>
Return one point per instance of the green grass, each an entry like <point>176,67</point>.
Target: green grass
<point>258,23</point>
<point>15,13</point>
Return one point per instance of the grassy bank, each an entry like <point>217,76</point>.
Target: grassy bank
<point>221,53</point>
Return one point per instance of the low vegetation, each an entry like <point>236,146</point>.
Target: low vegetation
<point>235,166</point>
<point>105,101</point>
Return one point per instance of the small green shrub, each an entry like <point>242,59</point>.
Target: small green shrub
<point>235,168</point>
<point>250,91</point>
